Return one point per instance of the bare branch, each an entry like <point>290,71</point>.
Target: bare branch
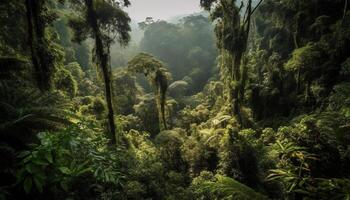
<point>246,13</point>
<point>345,8</point>
<point>252,12</point>
<point>240,8</point>
<point>257,5</point>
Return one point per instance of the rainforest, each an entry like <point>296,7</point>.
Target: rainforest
<point>154,100</point>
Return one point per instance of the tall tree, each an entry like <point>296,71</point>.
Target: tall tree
<point>39,17</point>
<point>232,30</point>
<point>158,77</point>
<point>192,40</point>
<point>103,20</point>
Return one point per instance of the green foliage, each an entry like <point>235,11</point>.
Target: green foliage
<point>304,57</point>
<point>13,23</point>
<point>178,89</point>
<point>192,40</point>
<point>294,162</point>
<point>148,65</point>
<point>83,56</point>
<point>307,151</point>
<point>27,110</point>
<point>66,82</point>
<point>249,131</point>
<point>75,69</point>
<point>46,55</point>
<point>194,116</point>
<point>333,188</point>
<point>105,22</point>
<point>169,144</point>
<point>146,110</point>
<point>340,99</point>
<point>110,16</point>
<point>11,65</point>
<point>135,190</point>
<point>228,188</point>
<point>57,165</point>
<point>96,108</point>
<point>239,157</point>
<point>125,93</point>
<point>158,76</point>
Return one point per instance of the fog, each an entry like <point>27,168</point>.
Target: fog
<point>161,9</point>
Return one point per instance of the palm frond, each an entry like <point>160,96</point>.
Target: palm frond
<point>228,188</point>
<point>25,111</point>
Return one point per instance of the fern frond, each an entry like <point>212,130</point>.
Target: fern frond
<point>228,188</point>
<point>25,111</point>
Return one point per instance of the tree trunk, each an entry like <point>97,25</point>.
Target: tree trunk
<point>31,40</point>
<point>243,79</point>
<point>345,9</point>
<point>244,70</point>
<point>296,45</point>
<point>36,41</point>
<point>236,90</point>
<point>308,91</point>
<point>103,61</point>
<point>239,74</point>
<point>161,110</point>
<point>298,79</point>
<point>108,93</point>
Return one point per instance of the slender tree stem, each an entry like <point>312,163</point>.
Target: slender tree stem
<point>103,62</point>
<point>345,9</point>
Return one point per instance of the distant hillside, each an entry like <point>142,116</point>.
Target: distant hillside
<point>176,19</point>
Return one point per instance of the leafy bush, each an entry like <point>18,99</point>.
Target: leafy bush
<point>26,111</point>
<point>309,154</point>
<point>66,82</point>
<point>72,163</point>
<point>226,188</point>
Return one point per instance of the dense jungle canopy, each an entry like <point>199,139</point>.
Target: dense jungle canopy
<point>245,99</point>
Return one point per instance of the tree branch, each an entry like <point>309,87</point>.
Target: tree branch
<point>257,5</point>
<point>240,8</point>
<point>245,16</point>
<point>345,8</point>
<point>252,12</point>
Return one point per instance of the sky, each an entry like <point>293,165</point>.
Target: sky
<point>161,9</point>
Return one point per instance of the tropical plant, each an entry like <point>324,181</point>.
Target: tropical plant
<point>39,17</point>
<point>157,75</point>
<point>57,165</point>
<point>104,21</point>
<point>228,188</point>
<point>293,166</point>
<point>25,111</point>
<point>232,31</point>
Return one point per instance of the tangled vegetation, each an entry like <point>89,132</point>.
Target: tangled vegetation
<point>249,99</point>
